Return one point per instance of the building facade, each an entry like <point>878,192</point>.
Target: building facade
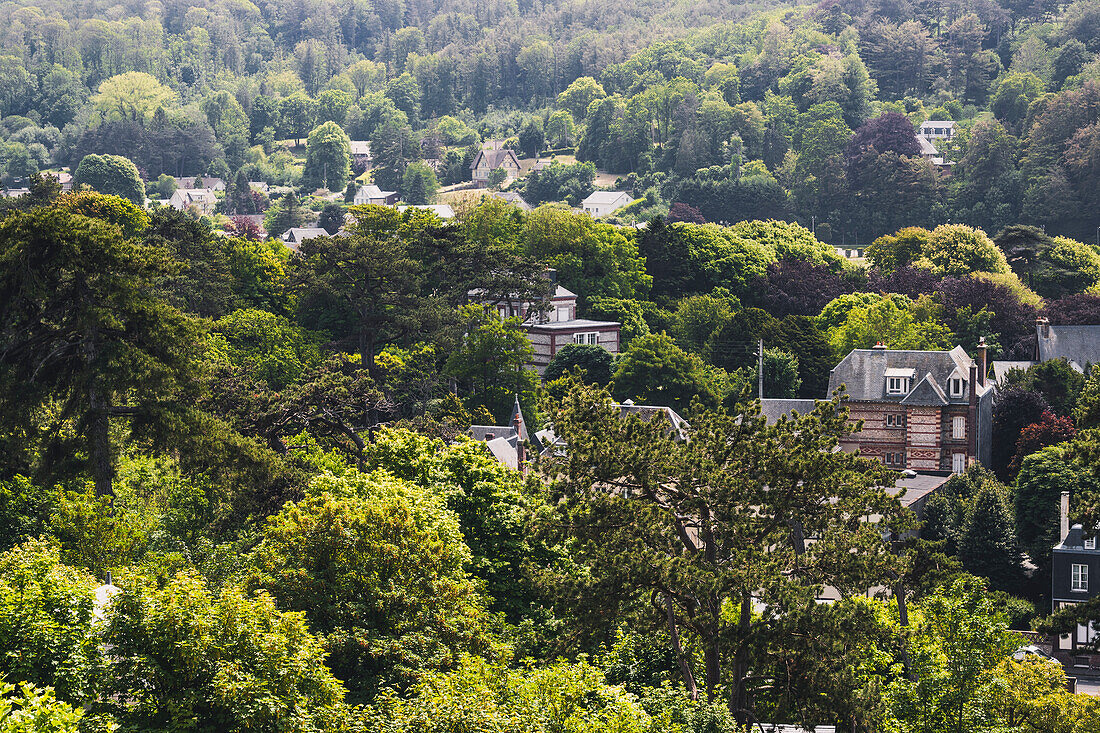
<point>1075,578</point>
<point>928,411</point>
<point>487,161</point>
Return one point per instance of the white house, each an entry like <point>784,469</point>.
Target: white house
<point>202,199</point>
<point>487,161</point>
<point>602,203</point>
<point>374,195</point>
<point>296,235</point>
<point>212,182</point>
<point>938,129</point>
<point>443,211</point>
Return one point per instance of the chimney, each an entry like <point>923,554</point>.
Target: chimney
<point>552,276</point>
<point>1044,327</point>
<point>108,580</point>
<point>972,416</point>
<point>521,451</point>
<point>983,363</point>
<point>879,346</point>
<point>1063,527</point>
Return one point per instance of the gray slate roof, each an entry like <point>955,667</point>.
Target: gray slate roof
<point>773,409</point>
<point>1075,344</point>
<point>495,158</point>
<point>1002,368</point>
<point>926,393</point>
<point>863,372</point>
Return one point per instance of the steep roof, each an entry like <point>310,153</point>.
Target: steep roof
<point>604,197</point>
<point>1075,344</point>
<point>926,146</point>
<point>926,393</point>
<point>863,371</point>
<point>443,211</point>
<point>495,158</point>
<point>301,234</point>
<point>773,409</point>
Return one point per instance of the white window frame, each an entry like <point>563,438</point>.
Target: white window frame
<point>956,387</point>
<point>558,313</point>
<point>958,427</point>
<point>1090,543</point>
<point>958,463</point>
<point>1079,578</point>
<point>895,420</point>
<point>589,338</point>
<point>896,385</point>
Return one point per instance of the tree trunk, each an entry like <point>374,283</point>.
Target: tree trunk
<point>685,664</point>
<point>739,697</point>
<point>903,621</point>
<point>99,440</point>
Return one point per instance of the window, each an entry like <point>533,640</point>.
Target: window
<point>958,463</point>
<point>958,427</point>
<point>591,337</point>
<point>1090,543</point>
<point>956,387</point>
<point>896,385</point>
<point>1079,578</point>
<point>563,313</point>
<point>895,421</point>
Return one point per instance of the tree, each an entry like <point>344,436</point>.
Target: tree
<point>133,96</point>
<point>269,347</point>
<point>1049,430</point>
<point>285,214</point>
<point>1043,476</point>
<point>496,178</point>
<point>113,175</point>
<point>655,371</point>
<point>988,546</point>
<point>392,147</point>
<point>781,380</point>
<point>490,363</point>
<point>715,519</point>
<point>419,185</point>
<point>1017,407</point>
<point>185,655</point>
<point>35,709</point>
<point>959,250</point>
<point>1057,381</point>
<point>890,132</point>
<point>81,323</point>
<point>596,362</point>
<point>560,128</point>
<point>1087,411</point>
<point>1012,97</point>
<point>328,158</point>
<point>297,116</point>
<point>230,124</point>
<point>961,635</point>
<point>579,95</point>
<point>332,557</point>
<point>332,217</point>
<point>46,624</point>
<point>532,137</point>
<point>891,252</point>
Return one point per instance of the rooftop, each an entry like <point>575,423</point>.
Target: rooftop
<point>1079,345</point>
<point>604,197</point>
<point>864,371</point>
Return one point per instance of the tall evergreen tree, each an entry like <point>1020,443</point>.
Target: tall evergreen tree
<point>988,545</point>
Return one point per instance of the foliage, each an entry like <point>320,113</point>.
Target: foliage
<point>112,175</point>
<point>35,710</point>
<point>596,362</point>
<point>328,158</point>
<point>490,364</point>
<point>655,371</point>
<point>378,568</point>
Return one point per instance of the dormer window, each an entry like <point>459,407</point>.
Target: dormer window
<point>897,385</point>
<point>1090,543</point>
<point>956,386</point>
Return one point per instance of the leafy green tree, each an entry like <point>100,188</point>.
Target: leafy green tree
<point>580,95</point>
<point>405,94</point>
<point>1043,476</point>
<point>33,710</point>
<point>1058,382</point>
<point>961,635</point>
<point>988,546</point>
<point>655,371</point>
<point>328,158</point>
<point>1087,411</point>
<point>496,178</point>
<point>297,116</point>
<point>1012,97</point>
<point>490,363</point>
<point>133,96</point>
<point>703,527</point>
<point>419,185</point>
<point>393,147</point>
<point>230,124</point>
<point>532,136</point>
<point>47,624</point>
<point>83,325</point>
<point>781,380</point>
<point>185,655</point>
<point>596,362</point>
<point>892,320</point>
<point>627,312</point>
<point>284,214</point>
<point>378,567</point>
<point>112,175</point>
<point>267,346</point>
<point>560,128</point>
<point>891,252</point>
<point>332,217</point>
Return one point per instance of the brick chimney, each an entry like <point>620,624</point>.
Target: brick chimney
<point>1044,327</point>
<point>983,363</point>
<point>1063,515</point>
<point>879,346</point>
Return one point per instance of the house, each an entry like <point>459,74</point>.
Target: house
<point>513,198</point>
<point>937,129</point>
<point>1075,578</point>
<point>506,443</point>
<point>372,194</point>
<point>552,445</point>
<point>487,161</point>
<point>211,182</point>
<point>360,153</point>
<point>296,235</point>
<point>14,193</point>
<point>202,199</point>
<point>443,211</point>
<point>602,203</point>
<point>1078,345</point>
<point>65,179</point>
<point>553,324</point>
<point>260,186</point>
<point>921,410</point>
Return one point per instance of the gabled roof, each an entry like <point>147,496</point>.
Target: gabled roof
<point>512,198</point>
<point>863,371</point>
<point>773,408</point>
<point>1075,344</point>
<point>374,192</point>
<point>938,123</point>
<point>301,234</point>
<point>926,146</point>
<point>926,393</point>
<point>360,147</point>
<point>597,198</point>
<point>495,158</point>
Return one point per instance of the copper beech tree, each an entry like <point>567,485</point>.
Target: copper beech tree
<point>730,526</point>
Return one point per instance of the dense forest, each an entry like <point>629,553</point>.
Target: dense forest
<point>236,487</point>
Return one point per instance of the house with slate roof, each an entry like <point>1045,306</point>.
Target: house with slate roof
<point>929,411</point>
<point>602,203</point>
<point>487,161</point>
<point>1079,345</point>
<point>507,443</point>
<point>1075,578</point>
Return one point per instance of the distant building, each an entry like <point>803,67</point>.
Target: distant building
<point>202,199</point>
<point>1075,579</point>
<point>1078,345</point>
<point>211,182</point>
<point>937,129</point>
<point>294,237</point>
<point>553,324</point>
<point>360,153</point>
<point>514,198</point>
<point>507,443</point>
<point>602,203</point>
<point>372,194</point>
<point>487,161</point>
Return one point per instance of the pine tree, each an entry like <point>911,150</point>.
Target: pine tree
<point>989,546</point>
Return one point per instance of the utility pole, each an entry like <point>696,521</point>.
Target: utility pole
<point>760,370</point>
